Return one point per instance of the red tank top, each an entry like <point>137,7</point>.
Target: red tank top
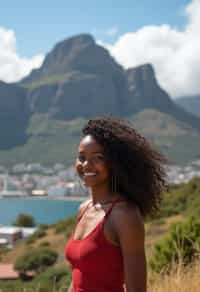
<point>97,264</point>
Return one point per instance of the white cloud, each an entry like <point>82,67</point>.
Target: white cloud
<point>12,66</point>
<point>174,53</point>
<point>109,32</point>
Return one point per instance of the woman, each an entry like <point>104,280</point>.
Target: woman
<point>126,177</point>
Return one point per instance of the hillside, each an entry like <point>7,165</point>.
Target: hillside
<point>176,139</point>
<point>190,104</point>
<point>182,199</point>
<point>14,115</point>
<point>54,140</point>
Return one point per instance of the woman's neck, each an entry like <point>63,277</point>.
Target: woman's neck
<point>102,195</point>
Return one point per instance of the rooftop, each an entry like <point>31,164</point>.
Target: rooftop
<point>7,272</point>
<point>10,229</point>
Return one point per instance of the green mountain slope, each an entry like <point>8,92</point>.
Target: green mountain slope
<point>177,140</point>
<point>54,140</point>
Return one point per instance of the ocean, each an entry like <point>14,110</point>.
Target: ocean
<point>44,211</point>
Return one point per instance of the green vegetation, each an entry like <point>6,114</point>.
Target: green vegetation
<point>56,78</point>
<point>181,244</point>
<point>65,225</point>
<point>51,141</point>
<point>35,260</point>
<point>24,220</point>
<point>59,277</point>
<point>52,79</point>
<point>179,142</point>
<point>182,199</point>
<point>37,234</point>
<point>51,280</point>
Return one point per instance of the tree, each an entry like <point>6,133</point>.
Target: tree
<point>24,220</point>
<point>36,260</point>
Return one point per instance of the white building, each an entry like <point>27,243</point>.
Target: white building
<point>9,235</point>
<point>10,189</point>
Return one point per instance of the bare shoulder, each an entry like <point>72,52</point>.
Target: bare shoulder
<point>128,224</point>
<point>82,207</point>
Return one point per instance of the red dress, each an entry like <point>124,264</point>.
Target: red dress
<point>97,264</point>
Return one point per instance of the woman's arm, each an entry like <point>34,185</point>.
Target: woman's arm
<point>130,231</point>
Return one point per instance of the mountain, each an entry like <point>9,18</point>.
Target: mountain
<point>78,78</point>
<point>145,92</point>
<point>14,115</point>
<point>190,104</point>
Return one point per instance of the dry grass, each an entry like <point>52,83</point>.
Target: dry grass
<point>154,232</point>
<point>178,280</point>
<point>56,241</point>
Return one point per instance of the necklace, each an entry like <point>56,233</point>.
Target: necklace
<point>103,202</point>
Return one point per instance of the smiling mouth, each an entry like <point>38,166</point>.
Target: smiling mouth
<point>89,174</point>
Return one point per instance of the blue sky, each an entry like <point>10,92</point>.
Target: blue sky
<point>38,25</point>
<point>163,33</point>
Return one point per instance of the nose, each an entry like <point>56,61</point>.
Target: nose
<point>86,164</point>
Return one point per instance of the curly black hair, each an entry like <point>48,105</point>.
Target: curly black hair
<point>137,167</point>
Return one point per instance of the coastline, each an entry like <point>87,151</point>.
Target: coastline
<point>53,198</point>
<point>45,209</point>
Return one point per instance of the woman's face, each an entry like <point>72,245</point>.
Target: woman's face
<point>91,164</point>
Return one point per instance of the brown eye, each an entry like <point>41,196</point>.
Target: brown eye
<point>98,158</point>
<point>81,158</point>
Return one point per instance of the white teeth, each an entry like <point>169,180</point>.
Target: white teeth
<point>89,173</point>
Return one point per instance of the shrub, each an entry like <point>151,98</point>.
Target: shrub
<point>37,234</point>
<point>36,260</point>
<point>183,198</point>
<point>182,243</point>
<point>53,275</point>
<point>64,225</point>
<point>24,220</point>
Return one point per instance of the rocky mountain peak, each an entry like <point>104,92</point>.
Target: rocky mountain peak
<point>78,41</point>
<point>69,49</point>
<point>76,54</point>
<point>141,74</point>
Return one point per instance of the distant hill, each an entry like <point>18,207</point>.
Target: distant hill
<point>14,115</point>
<point>77,80</point>
<point>54,140</point>
<point>177,140</point>
<point>190,104</point>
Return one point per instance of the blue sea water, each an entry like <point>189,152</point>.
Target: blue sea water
<point>44,211</point>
